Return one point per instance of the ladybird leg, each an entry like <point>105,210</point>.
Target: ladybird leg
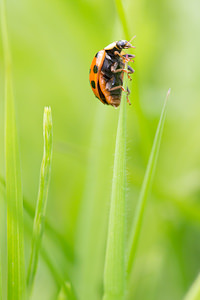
<point>110,83</point>
<point>125,57</point>
<point>123,89</point>
<point>114,67</point>
<point>122,56</point>
<point>128,93</point>
<point>115,70</point>
<point>123,70</point>
<point>129,57</point>
<point>117,88</point>
<point>131,70</point>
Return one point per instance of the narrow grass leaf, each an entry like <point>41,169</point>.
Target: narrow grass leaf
<point>145,188</point>
<point>194,291</point>
<point>115,271</point>
<point>39,220</point>
<point>0,278</point>
<point>15,235</point>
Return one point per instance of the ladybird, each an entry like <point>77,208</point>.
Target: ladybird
<point>107,72</point>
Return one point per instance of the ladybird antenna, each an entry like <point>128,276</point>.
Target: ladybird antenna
<point>132,38</point>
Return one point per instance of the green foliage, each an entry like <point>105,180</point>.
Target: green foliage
<point>52,44</point>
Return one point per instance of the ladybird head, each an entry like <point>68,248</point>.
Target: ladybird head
<point>123,44</point>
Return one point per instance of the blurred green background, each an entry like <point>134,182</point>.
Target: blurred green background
<point>53,44</point>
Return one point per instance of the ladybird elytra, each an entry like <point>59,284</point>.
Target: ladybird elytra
<point>107,72</point>
<point>94,73</point>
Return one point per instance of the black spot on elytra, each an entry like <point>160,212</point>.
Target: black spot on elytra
<point>97,54</point>
<point>93,84</point>
<point>95,69</point>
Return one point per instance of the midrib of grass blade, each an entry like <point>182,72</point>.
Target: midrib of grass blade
<point>115,271</point>
<point>145,189</point>
<point>194,291</point>
<point>39,220</point>
<point>15,235</point>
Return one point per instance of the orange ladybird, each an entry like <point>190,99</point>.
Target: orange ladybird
<point>107,72</point>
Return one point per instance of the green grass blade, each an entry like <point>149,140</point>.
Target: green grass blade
<point>145,188</point>
<point>114,272</point>
<point>39,220</point>
<point>0,278</point>
<point>194,291</point>
<point>15,235</point>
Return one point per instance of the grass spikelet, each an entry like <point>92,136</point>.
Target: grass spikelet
<point>39,220</point>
